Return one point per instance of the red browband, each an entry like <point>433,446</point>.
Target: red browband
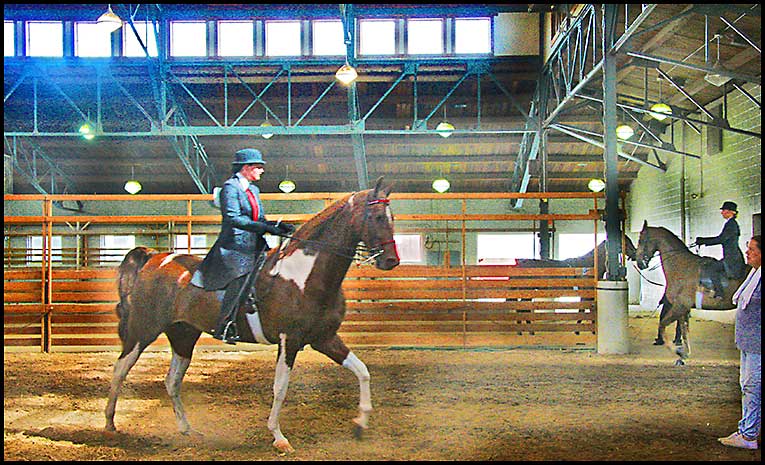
<point>375,202</point>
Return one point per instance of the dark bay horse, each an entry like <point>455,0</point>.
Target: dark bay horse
<point>584,261</point>
<point>682,273</point>
<point>299,302</point>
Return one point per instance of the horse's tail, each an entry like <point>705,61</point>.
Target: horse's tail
<point>127,274</point>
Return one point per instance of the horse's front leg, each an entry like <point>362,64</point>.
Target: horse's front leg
<point>284,363</point>
<point>335,349</point>
<point>685,349</point>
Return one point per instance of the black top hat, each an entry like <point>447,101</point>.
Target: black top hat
<point>248,157</point>
<point>729,206</point>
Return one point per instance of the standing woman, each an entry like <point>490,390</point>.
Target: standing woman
<point>748,300</point>
<point>732,265</point>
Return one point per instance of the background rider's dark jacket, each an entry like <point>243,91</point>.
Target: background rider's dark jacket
<point>733,259</point>
<point>234,252</point>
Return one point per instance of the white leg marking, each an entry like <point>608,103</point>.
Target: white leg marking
<point>168,259</point>
<point>121,369</point>
<point>295,267</point>
<point>173,380</point>
<point>358,368</point>
<point>281,381</point>
<point>253,319</point>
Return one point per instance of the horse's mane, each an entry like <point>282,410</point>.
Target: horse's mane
<point>316,226</point>
<point>670,238</point>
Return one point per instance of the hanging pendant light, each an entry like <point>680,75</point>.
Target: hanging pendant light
<point>287,185</point>
<point>596,185</point>
<point>132,186</point>
<point>445,128</point>
<point>109,21</point>
<point>266,124</point>
<point>715,78</point>
<point>441,185</point>
<point>346,74</point>
<point>624,131</point>
<point>660,110</point>
<point>87,131</point>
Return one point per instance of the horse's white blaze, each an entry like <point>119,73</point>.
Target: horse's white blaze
<point>295,267</point>
<point>389,214</point>
<point>358,368</point>
<point>168,259</point>
<point>281,381</point>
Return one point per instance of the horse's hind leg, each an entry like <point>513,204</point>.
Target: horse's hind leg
<point>182,339</point>
<point>122,367</point>
<point>685,349</point>
<point>335,349</point>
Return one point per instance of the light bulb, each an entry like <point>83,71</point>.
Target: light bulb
<point>596,185</point>
<point>133,186</point>
<point>441,185</point>
<point>268,135</point>
<point>287,186</point>
<point>445,129</point>
<point>624,132</point>
<point>660,111</point>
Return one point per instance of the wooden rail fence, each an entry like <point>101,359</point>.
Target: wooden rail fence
<point>469,306</point>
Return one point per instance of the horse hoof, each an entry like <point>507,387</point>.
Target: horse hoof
<point>193,434</point>
<point>679,362</point>
<point>283,446</point>
<point>658,342</point>
<point>358,432</point>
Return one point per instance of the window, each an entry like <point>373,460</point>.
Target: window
<point>114,248</point>
<point>92,40</point>
<point>328,38</point>
<point>472,35</point>
<point>409,248</point>
<point>188,39</point>
<point>235,39</point>
<point>9,40</point>
<point>34,249</point>
<point>425,37</point>
<point>377,37</point>
<point>503,249</point>
<point>45,39</point>
<point>282,38</point>
<point>198,244</point>
<point>576,245</point>
<point>131,46</point>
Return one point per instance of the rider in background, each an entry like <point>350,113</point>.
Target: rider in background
<point>732,264</point>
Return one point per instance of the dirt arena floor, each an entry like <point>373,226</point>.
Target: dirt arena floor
<point>508,404</point>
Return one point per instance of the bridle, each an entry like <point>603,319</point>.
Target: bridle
<point>362,254</point>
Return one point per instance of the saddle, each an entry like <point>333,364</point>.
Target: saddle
<point>713,275</point>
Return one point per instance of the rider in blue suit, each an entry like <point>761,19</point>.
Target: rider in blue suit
<point>240,248</point>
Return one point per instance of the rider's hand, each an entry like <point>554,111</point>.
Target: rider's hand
<point>700,241</point>
<point>286,228</point>
<point>271,229</point>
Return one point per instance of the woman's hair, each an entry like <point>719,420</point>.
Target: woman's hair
<point>758,240</point>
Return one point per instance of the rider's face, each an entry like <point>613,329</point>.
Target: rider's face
<point>252,172</point>
<point>727,214</point>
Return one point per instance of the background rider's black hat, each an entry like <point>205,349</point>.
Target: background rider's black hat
<point>729,206</point>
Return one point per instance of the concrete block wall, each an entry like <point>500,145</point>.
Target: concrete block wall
<point>687,198</point>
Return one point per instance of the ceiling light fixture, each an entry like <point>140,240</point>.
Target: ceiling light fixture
<point>596,185</point>
<point>109,21</point>
<point>444,128</point>
<point>660,110</point>
<point>132,186</point>
<point>346,74</point>
<point>87,131</point>
<point>287,185</point>
<point>624,132</point>
<point>441,185</point>
<point>266,124</point>
<point>715,78</point>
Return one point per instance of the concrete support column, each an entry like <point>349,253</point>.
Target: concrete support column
<point>613,308</point>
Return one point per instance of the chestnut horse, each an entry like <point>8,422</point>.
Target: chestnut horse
<point>682,273</point>
<point>299,302</point>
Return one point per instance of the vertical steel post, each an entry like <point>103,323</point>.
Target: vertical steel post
<point>616,272</point>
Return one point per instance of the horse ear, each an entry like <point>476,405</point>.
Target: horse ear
<point>378,183</point>
<point>645,224</point>
<point>386,190</point>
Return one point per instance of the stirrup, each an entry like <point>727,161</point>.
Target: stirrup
<point>229,335</point>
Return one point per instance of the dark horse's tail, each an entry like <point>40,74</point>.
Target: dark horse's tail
<point>126,276</point>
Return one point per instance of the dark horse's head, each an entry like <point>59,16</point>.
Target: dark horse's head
<point>377,227</point>
<point>646,248</point>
